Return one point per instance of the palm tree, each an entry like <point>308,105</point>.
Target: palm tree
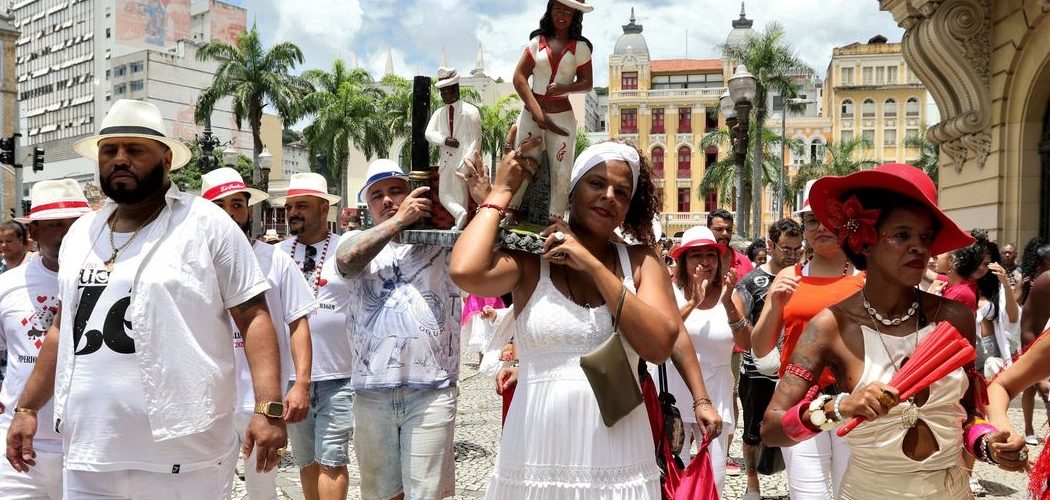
<point>720,176</point>
<point>346,106</point>
<point>929,155</point>
<point>255,78</point>
<point>496,121</point>
<point>582,141</point>
<point>839,158</point>
<point>776,68</point>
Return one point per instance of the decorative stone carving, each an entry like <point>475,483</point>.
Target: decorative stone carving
<point>947,45</point>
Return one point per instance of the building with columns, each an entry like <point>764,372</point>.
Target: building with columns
<point>987,65</point>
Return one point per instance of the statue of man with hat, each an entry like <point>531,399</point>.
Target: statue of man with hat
<point>144,380</point>
<point>455,129</point>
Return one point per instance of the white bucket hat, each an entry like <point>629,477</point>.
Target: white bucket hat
<point>805,198</point>
<point>379,170</point>
<point>447,77</point>
<point>307,184</point>
<point>59,199</point>
<point>577,4</point>
<point>223,182</point>
<point>131,118</point>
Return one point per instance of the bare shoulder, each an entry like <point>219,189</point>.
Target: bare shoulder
<point>942,309</point>
<point>787,272</point>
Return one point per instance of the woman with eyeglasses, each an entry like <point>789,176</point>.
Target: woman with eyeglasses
<point>796,295</point>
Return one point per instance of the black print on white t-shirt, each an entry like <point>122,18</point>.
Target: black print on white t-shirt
<point>114,329</point>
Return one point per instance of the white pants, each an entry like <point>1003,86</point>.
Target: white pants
<point>259,486</point>
<point>212,483</point>
<point>561,152</point>
<point>42,482</point>
<point>815,467</point>
<point>452,191</point>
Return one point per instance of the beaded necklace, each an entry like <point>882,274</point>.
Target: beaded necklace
<point>315,281</point>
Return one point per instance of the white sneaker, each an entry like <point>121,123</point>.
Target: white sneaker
<point>977,488</point>
<point>752,495</point>
<point>1031,440</point>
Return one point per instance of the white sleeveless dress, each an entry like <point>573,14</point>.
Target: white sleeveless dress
<point>878,467</point>
<point>554,444</point>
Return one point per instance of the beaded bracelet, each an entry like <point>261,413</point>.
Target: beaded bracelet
<point>800,372</point>
<point>701,401</point>
<point>838,406</point>
<point>985,446</point>
<point>502,210</point>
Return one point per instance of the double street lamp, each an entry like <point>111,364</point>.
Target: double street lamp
<point>735,105</point>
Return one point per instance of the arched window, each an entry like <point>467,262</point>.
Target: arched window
<point>847,108</point>
<point>816,150</point>
<point>657,158</point>
<point>684,155</point>
<point>867,109</point>
<point>911,107</point>
<point>889,108</point>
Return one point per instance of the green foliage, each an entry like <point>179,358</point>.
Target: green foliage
<point>397,111</point>
<point>496,121</point>
<point>254,78</point>
<point>720,177</point>
<point>929,155</point>
<point>839,158</point>
<point>188,178</point>
<point>582,141</point>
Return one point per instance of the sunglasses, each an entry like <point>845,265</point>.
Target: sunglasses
<point>309,264</point>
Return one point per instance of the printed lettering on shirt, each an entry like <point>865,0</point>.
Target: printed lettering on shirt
<point>93,282</point>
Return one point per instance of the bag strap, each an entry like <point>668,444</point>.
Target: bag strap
<point>661,370</point>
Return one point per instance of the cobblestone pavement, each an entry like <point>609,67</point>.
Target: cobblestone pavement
<point>477,442</point>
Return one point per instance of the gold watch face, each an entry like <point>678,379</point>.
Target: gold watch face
<point>271,409</point>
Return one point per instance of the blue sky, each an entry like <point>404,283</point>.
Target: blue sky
<point>416,31</point>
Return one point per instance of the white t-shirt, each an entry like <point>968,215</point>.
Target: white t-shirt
<point>289,298</point>
<point>28,303</point>
<point>404,320</point>
<point>331,343</point>
<point>106,426</point>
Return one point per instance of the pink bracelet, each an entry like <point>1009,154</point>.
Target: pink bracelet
<point>792,423</point>
<point>974,433</point>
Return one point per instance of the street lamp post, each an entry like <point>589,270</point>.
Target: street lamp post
<point>262,168</point>
<point>739,97</point>
<point>781,194</point>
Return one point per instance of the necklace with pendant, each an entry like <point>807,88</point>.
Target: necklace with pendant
<point>910,411</point>
<point>111,223</point>
<point>317,282</point>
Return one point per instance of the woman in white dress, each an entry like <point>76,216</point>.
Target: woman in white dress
<point>555,444</point>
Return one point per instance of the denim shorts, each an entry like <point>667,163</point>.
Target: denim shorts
<point>404,442</point>
<point>323,437</point>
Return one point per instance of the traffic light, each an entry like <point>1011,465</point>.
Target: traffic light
<point>7,150</point>
<point>38,159</point>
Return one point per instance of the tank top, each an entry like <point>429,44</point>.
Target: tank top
<point>813,295</point>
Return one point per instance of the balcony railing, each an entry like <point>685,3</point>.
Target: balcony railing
<point>713,93</point>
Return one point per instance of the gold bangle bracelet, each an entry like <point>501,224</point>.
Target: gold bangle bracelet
<point>25,410</point>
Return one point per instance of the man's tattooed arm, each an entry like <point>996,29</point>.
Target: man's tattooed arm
<point>358,251</point>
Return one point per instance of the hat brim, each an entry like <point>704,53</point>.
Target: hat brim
<point>685,247</point>
<point>60,214</point>
<point>361,193</point>
<point>582,7</point>
<point>950,236</point>
<point>255,196</point>
<point>447,82</point>
<point>283,200</point>
<point>180,154</point>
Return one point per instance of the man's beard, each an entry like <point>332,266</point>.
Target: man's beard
<point>296,231</point>
<point>152,182</point>
<point>247,227</point>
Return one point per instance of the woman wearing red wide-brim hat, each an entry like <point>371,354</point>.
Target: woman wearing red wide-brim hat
<point>887,222</point>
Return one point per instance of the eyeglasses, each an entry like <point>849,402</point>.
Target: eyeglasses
<point>810,223</point>
<point>309,264</point>
<point>789,250</point>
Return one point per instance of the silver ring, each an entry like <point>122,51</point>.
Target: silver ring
<point>1023,455</point>
<point>560,256</point>
<point>558,236</point>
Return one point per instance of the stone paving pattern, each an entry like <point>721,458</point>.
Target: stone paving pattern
<point>477,442</point>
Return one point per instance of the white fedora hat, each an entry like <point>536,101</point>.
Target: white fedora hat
<point>60,199</point>
<point>307,184</point>
<point>805,198</point>
<point>447,77</point>
<point>223,182</point>
<point>577,4</point>
<point>379,170</point>
<point>131,118</point>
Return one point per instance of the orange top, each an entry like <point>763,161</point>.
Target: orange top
<point>813,295</point>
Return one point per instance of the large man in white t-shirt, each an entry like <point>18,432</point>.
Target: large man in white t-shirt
<point>404,324</point>
<point>290,301</point>
<point>321,442</point>
<point>144,382</point>
<point>28,304</point>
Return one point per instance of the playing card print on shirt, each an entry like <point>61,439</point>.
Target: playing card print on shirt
<point>39,321</point>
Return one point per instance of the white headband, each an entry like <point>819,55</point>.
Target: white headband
<point>602,152</point>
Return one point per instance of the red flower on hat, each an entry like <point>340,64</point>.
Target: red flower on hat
<point>852,223</point>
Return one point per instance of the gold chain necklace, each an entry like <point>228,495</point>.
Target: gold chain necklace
<point>112,223</point>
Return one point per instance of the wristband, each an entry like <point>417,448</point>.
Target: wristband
<point>736,326</point>
<point>25,410</point>
<point>502,210</point>
<point>801,373</point>
<point>793,426</point>
<point>974,433</point>
<point>701,401</point>
<point>838,406</point>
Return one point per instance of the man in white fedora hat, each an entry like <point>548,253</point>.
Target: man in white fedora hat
<point>28,304</point>
<point>290,301</point>
<point>455,129</point>
<point>404,331</point>
<point>321,442</point>
<point>144,382</point>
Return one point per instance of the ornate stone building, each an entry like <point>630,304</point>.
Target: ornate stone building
<point>987,65</point>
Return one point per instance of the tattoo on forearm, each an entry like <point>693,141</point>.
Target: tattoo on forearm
<point>361,248</point>
<point>250,303</point>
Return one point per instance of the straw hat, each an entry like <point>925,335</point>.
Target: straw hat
<point>447,77</point>
<point>223,182</point>
<point>130,118</point>
<point>307,184</point>
<point>579,5</point>
<point>59,199</point>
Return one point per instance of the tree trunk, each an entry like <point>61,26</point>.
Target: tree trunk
<point>256,124</point>
<point>756,178</point>
<point>344,174</point>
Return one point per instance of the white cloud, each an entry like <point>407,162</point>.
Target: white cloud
<point>324,29</point>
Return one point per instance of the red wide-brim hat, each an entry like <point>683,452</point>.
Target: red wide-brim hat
<point>898,178</point>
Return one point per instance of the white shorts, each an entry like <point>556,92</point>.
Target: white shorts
<point>42,482</point>
<point>212,483</point>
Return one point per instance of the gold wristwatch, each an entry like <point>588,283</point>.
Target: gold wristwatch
<point>271,409</point>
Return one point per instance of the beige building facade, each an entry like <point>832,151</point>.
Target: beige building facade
<point>987,65</point>
<point>8,109</point>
